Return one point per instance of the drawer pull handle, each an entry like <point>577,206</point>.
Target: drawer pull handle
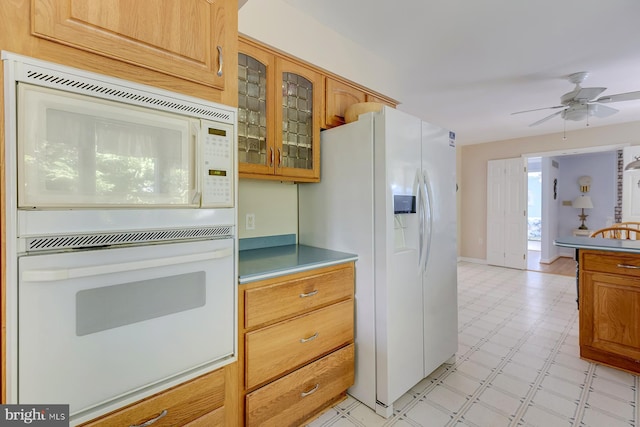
<point>310,294</point>
<point>219,73</point>
<point>311,338</point>
<point>153,420</point>
<point>313,390</point>
<point>628,266</point>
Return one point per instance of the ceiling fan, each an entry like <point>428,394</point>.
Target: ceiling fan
<point>582,102</point>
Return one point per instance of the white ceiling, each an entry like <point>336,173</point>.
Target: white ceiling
<point>467,64</point>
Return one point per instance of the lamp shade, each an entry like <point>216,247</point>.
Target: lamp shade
<point>583,202</point>
<point>634,165</point>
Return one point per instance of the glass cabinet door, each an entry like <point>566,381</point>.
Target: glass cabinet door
<point>297,151</point>
<point>279,104</point>
<point>256,153</point>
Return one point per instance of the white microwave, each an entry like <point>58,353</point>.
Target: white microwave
<point>80,151</point>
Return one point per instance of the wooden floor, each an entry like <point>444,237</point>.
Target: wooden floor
<point>564,266</point>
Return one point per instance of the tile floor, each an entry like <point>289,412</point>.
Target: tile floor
<point>517,364</point>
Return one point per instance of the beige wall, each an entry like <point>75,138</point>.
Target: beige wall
<point>472,173</point>
<point>274,204</point>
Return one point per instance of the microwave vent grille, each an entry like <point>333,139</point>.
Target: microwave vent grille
<point>94,240</point>
<point>115,92</point>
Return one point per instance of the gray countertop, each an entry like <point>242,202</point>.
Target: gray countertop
<point>264,263</point>
<point>599,243</point>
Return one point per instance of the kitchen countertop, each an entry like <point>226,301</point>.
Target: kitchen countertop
<point>598,243</point>
<point>264,263</point>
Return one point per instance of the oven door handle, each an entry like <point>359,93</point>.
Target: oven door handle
<point>54,275</point>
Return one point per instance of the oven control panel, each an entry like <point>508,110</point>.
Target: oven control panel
<point>217,164</point>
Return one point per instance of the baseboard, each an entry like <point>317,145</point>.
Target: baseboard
<point>557,257</point>
<point>549,260</point>
<point>473,260</point>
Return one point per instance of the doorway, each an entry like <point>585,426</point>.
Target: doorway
<point>534,204</point>
<point>558,173</point>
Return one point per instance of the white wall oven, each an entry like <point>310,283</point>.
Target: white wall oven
<point>121,253</point>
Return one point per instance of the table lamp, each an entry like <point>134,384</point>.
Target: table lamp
<point>582,202</point>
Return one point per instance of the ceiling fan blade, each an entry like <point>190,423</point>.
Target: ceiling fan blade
<point>546,118</point>
<point>588,93</point>
<point>538,109</point>
<point>628,96</point>
<point>602,110</point>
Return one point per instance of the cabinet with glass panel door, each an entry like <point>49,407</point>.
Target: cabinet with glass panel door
<point>279,104</point>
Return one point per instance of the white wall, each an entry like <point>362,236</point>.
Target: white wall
<point>284,27</point>
<point>274,204</point>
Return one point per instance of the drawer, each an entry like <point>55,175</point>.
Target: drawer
<point>184,403</point>
<point>292,297</point>
<point>282,347</point>
<point>213,418</point>
<point>609,262</point>
<point>294,398</point>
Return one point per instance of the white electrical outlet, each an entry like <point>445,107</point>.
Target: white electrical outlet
<point>250,222</point>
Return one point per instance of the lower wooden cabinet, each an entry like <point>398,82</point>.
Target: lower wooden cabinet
<point>294,398</point>
<point>278,348</point>
<point>610,308</point>
<point>297,356</point>
<point>208,400</point>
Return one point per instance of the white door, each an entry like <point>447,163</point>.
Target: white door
<point>495,212</point>
<point>440,276</point>
<point>507,213</point>
<point>398,285</point>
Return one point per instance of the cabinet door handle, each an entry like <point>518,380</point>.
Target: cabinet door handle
<point>279,157</point>
<point>151,421</point>
<point>313,390</point>
<point>220,61</point>
<point>628,266</point>
<point>271,157</point>
<point>311,338</point>
<point>309,294</point>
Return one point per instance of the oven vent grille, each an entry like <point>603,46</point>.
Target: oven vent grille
<point>115,92</point>
<point>82,241</point>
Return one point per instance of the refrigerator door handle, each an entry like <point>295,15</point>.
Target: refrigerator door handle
<point>428,207</point>
<point>418,188</point>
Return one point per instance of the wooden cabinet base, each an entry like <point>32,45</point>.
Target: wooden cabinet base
<point>609,297</point>
<point>295,345</point>
<point>206,401</point>
<point>606,358</point>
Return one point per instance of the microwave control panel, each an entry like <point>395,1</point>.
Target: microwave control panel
<point>217,163</point>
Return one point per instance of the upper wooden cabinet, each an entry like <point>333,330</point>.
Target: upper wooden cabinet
<point>188,39</point>
<point>279,104</point>
<point>283,102</point>
<point>298,106</point>
<point>339,96</point>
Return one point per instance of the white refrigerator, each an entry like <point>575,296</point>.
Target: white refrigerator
<point>388,194</point>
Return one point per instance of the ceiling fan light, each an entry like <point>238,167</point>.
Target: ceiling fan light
<point>574,114</point>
